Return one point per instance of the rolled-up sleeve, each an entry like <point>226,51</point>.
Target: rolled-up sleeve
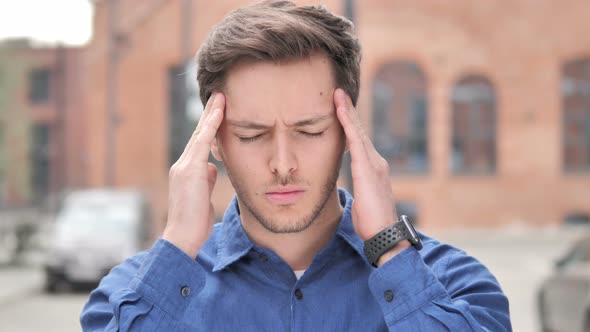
<point>458,294</point>
<point>145,293</point>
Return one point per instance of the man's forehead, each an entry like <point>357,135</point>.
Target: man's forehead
<point>289,93</point>
<point>261,124</point>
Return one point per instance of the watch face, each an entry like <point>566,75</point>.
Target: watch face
<point>414,238</point>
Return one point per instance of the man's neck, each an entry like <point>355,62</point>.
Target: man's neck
<point>298,249</point>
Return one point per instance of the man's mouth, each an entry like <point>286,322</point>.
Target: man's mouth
<point>285,196</point>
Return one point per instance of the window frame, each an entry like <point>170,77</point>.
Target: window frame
<point>483,135</point>
<point>40,80</point>
<point>383,104</point>
<point>569,89</point>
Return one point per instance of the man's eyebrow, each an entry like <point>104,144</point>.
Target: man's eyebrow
<point>311,121</point>
<point>247,124</point>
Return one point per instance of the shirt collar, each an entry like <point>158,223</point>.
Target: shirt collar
<point>233,242</point>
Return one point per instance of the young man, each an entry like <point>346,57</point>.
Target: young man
<point>293,252</point>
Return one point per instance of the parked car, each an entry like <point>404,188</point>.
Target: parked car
<point>94,230</point>
<point>564,297</point>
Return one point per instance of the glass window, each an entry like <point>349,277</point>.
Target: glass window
<point>474,126</point>
<point>579,253</point>
<point>400,117</point>
<point>39,85</point>
<point>40,161</point>
<point>575,100</point>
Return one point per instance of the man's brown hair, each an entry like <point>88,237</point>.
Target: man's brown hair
<point>275,31</point>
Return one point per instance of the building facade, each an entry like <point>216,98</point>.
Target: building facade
<point>41,122</point>
<point>481,108</point>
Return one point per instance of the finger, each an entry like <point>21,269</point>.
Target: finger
<point>351,130</point>
<point>216,101</point>
<point>201,146</point>
<point>343,100</point>
<point>370,150</point>
<point>202,119</point>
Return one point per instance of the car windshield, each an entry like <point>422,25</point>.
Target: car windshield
<point>580,252</point>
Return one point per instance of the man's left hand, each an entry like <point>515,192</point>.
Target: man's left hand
<point>374,207</point>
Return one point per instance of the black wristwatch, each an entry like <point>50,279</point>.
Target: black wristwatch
<point>388,238</point>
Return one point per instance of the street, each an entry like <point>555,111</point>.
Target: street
<point>519,257</point>
<point>42,312</point>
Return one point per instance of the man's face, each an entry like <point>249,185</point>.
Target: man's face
<point>281,141</point>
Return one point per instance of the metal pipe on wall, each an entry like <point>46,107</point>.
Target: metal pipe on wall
<point>111,95</point>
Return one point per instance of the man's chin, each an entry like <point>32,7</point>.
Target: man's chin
<point>279,218</point>
<point>282,227</point>
<point>282,219</point>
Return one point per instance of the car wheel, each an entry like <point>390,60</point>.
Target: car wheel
<point>587,322</point>
<point>53,283</point>
<point>50,287</point>
<point>541,310</point>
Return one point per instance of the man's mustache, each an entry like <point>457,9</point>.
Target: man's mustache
<point>284,180</point>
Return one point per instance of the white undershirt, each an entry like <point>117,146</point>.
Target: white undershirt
<point>299,273</point>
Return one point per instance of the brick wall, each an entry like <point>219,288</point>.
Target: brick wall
<point>518,46</point>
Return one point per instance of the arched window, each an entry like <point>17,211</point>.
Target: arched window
<point>400,117</point>
<point>473,103</point>
<point>575,101</point>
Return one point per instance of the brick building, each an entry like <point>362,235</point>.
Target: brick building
<point>481,107</point>
<point>41,122</point>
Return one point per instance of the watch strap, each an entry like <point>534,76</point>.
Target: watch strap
<point>385,240</point>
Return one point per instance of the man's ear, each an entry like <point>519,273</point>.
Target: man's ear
<point>215,150</point>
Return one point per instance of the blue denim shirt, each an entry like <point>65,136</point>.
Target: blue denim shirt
<point>236,285</point>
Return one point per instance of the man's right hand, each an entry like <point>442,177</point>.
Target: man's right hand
<point>191,182</point>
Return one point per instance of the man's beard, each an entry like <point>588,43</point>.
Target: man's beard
<point>300,223</point>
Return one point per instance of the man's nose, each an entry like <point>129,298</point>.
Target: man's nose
<point>283,161</point>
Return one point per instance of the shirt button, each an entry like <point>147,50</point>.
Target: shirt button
<point>388,295</point>
<point>298,294</point>
<point>263,257</point>
<point>185,291</point>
